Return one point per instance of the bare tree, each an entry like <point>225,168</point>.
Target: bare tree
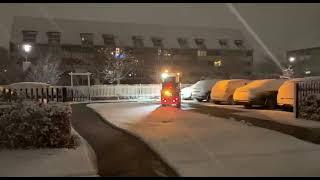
<point>116,64</point>
<point>44,71</point>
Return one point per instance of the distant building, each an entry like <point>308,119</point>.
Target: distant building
<point>195,52</point>
<point>305,62</point>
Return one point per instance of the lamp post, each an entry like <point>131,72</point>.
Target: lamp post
<point>27,49</point>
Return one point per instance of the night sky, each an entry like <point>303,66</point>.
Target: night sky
<point>281,26</point>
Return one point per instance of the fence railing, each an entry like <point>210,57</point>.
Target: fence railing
<point>84,93</point>
<point>37,94</point>
<point>302,90</point>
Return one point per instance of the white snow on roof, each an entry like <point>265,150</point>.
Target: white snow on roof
<point>71,29</point>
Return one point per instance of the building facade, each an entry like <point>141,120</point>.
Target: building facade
<point>195,52</point>
<point>305,62</point>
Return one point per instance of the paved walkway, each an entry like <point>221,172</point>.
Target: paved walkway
<point>197,144</point>
<point>118,154</point>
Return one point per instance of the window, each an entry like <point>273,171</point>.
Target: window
<point>53,38</point>
<point>137,41</point>
<point>29,36</point>
<point>200,43</point>
<point>109,40</point>
<point>218,63</point>
<point>157,42</point>
<point>238,43</point>
<point>202,53</point>
<point>86,39</point>
<point>183,42</point>
<point>166,53</point>
<point>223,43</point>
<point>249,53</point>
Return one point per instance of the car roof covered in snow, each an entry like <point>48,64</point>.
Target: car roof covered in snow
<point>28,85</point>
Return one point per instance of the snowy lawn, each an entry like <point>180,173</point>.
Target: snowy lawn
<point>199,145</point>
<point>49,162</point>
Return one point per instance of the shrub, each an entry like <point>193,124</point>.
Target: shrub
<point>27,124</point>
<point>310,107</point>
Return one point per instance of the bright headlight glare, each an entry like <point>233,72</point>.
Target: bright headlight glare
<point>164,75</point>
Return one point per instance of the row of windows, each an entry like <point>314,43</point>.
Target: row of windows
<point>158,42</point>
<point>138,41</point>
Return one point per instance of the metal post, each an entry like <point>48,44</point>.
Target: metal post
<point>89,86</point>
<point>296,100</point>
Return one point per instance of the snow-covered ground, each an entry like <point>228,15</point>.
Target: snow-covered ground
<point>199,145</point>
<point>280,116</point>
<point>49,162</point>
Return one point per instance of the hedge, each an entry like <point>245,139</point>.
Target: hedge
<point>27,124</point>
<point>310,108</point>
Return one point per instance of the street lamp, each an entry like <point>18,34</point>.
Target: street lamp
<point>27,49</point>
<point>292,59</point>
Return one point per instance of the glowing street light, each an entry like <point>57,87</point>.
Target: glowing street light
<point>292,59</point>
<point>27,49</point>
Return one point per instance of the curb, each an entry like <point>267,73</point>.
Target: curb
<point>311,135</point>
<point>89,151</point>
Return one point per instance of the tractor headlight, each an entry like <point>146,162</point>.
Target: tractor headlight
<point>167,93</point>
<point>164,75</point>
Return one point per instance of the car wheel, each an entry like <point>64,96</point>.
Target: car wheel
<point>248,106</point>
<point>271,103</point>
<point>208,97</point>
<point>199,100</point>
<point>216,102</point>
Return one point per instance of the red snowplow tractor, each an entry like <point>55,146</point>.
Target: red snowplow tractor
<point>170,92</point>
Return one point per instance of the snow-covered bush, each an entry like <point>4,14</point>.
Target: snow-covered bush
<point>310,107</point>
<point>27,124</point>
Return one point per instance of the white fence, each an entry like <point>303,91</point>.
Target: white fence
<point>129,91</point>
<point>119,91</point>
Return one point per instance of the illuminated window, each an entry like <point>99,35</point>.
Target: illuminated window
<point>201,53</point>
<point>167,53</point>
<point>157,42</point>
<point>137,41</point>
<point>200,43</point>
<point>218,63</point>
<point>183,42</point>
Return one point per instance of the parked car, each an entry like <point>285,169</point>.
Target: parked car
<point>202,89</point>
<point>27,85</point>
<point>258,92</point>
<point>186,92</point>
<point>285,97</point>
<point>23,86</point>
<point>223,90</point>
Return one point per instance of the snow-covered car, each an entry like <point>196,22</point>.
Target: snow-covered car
<point>285,97</point>
<point>186,92</point>
<point>23,86</point>
<point>202,89</point>
<point>27,85</point>
<point>223,90</point>
<point>259,92</point>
